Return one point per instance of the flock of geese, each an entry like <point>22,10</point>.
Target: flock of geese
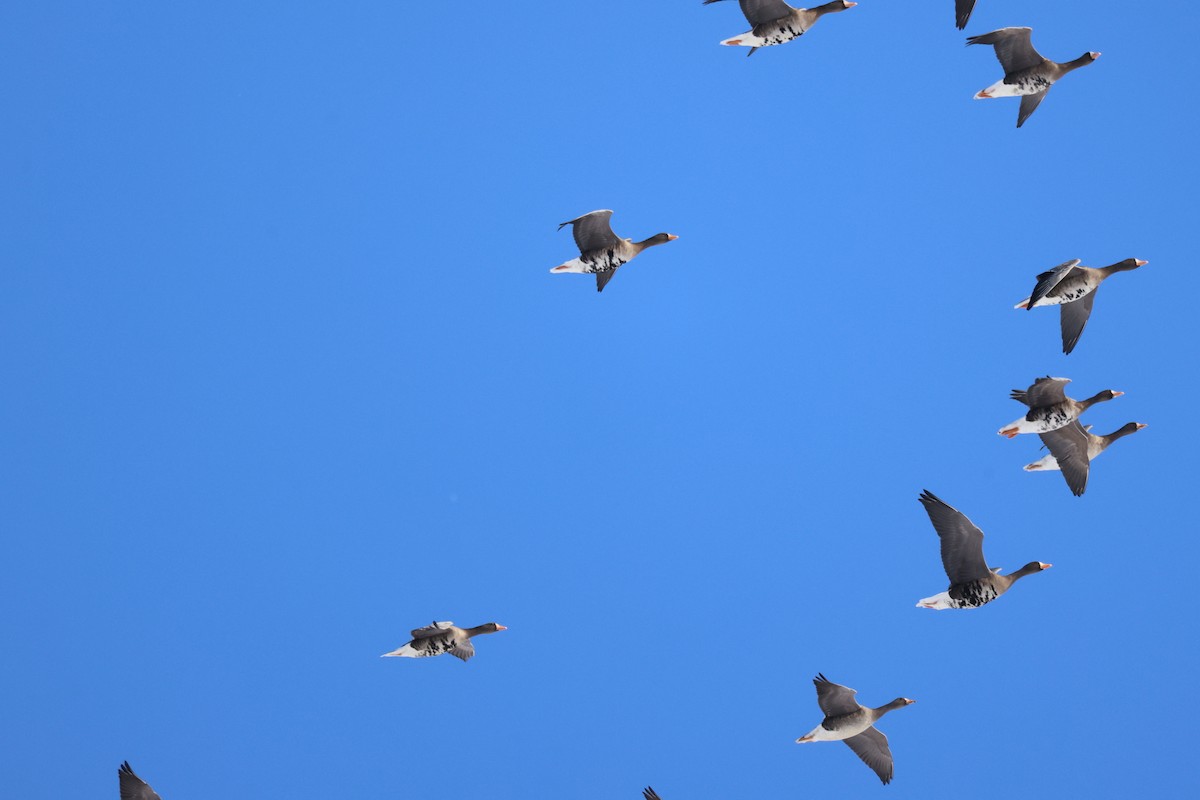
<point>1051,414</point>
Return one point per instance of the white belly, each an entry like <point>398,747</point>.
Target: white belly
<point>574,265</point>
<point>1002,89</point>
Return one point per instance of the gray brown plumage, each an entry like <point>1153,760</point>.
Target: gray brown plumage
<point>1073,287</point>
<point>602,252</point>
<point>775,22</point>
<point>847,721</point>
<point>1072,449</point>
<point>1027,74</point>
<point>1049,406</point>
<point>972,582</point>
<point>444,637</point>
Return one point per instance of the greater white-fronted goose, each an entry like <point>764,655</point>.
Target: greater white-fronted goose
<point>1072,450</point>
<point>602,252</point>
<point>1074,288</point>
<point>775,22</point>
<point>1026,73</point>
<point>133,787</point>
<point>1049,407</point>
<point>444,637</point>
<point>962,12</point>
<point>972,582</point>
<point>847,721</point>
<point>650,794</point>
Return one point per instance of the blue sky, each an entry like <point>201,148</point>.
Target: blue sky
<point>285,376</point>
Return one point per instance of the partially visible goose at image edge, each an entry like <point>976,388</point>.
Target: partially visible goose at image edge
<point>443,637</point>
<point>962,12</point>
<point>972,582</point>
<point>133,787</point>
<point>602,252</point>
<point>1049,407</point>
<point>1074,288</point>
<point>847,721</point>
<point>1027,74</point>
<point>775,22</point>
<point>1072,450</point>
<point>650,794</point>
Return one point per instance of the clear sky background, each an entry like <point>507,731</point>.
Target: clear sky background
<point>283,376</point>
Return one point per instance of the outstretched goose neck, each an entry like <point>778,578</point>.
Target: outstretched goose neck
<point>1099,397</point>
<point>899,702</point>
<point>478,629</point>
<point>1124,430</point>
<point>830,8</point>
<point>1082,61</point>
<point>1028,569</point>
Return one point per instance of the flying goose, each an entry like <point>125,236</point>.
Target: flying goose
<point>1072,450</point>
<point>444,637</point>
<point>133,787</point>
<point>602,252</point>
<point>972,582</point>
<point>775,22</point>
<point>1074,288</point>
<point>1049,407</point>
<point>962,11</point>
<point>1026,73</point>
<point>847,721</point>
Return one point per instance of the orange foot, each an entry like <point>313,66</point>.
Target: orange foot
<point>983,93</point>
<point>1009,433</point>
<point>734,41</point>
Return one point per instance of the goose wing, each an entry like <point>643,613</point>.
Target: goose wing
<point>872,747</point>
<point>962,12</point>
<point>962,542</point>
<point>592,231</point>
<point>1045,391</point>
<point>133,787</point>
<point>1069,446</point>
<point>759,11</point>
<point>1013,48</point>
<point>1073,317</point>
<point>834,699</point>
<point>1048,280</point>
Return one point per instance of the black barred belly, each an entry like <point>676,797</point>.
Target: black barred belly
<point>602,260</point>
<point>778,32</point>
<point>973,594</point>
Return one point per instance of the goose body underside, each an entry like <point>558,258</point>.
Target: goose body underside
<point>967,595</point>
<point>1019,87</point>
<point>1040,420</point>
<point>839,728</point>
<point>601,261</point>
<point>768,34</point>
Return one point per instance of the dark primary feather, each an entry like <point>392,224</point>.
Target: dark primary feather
<point>962,541</point>
<point>648,793</point>
<point>1044,392</point>
<point>602,278</point>
<point>1069,446</point>
<point>962,13</point>
<point>835,700</point>
<point>759,11</point>
<point>1073,318</point>
<point>1029,104</point>
<point>872,747</point>
<point>592,231</point>
<point>1013,48</point>
<point>133,787</point>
